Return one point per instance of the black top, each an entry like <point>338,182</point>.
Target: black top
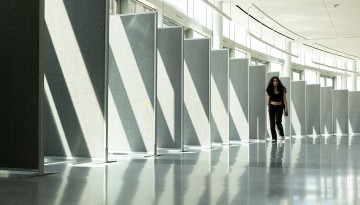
<point>276,97</point>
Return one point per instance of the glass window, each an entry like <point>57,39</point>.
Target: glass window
<point>276,67</point>
<point>232,30</point>
<point>240,34</point>
<point>322,82</point>
<point>296,75</point>
<point>226,28</point>
<point>310,77</point>
<point>239,54</point>
<point>137,7</point>
<point>209,19</point>
<point>199,11</point>
<point>329,82</point>
<point>349,83</point>
<point>258,45</point>
<point>179,5</point>
<point>198,35</point>
<point>338,82</point>
<point>329,61</point>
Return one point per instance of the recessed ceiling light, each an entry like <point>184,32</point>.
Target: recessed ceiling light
<point>336,5</point>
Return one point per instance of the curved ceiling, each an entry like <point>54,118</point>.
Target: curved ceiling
<point>330,24</point>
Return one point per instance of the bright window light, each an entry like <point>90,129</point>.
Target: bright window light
<point>310,77</point>
<point>199,12</point>
<point>180,5</point>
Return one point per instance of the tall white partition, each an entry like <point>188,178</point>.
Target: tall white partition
<point>257,76</point>
<point>269,75</point>
<point>197,92</point>
<point>75,55</point>
<point>286,81</point>
<point>132,83</point>
<point>169,87</point>
<point>354,112</point>
<point>326,124</point>
<point>239,99</point>
<point>297,107</point>
<point>340,112</point>
<point>219,122</point>
<point>313,109</point>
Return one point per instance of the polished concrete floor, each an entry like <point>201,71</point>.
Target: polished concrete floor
<point>321,170</point>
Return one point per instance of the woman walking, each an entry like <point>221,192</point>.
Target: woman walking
<point>276,103</point>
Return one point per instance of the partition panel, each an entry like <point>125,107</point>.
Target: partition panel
<point>75,78</point>
<point>297,106</point>
<point>269,75</point>
<point>326,111</point>
<point>197,92</point>
<point>21,73</point>
<point>313,109</point>
<point>354,112</point>
<point>132,83</point>
<point>340,112</point>
<point>219,96</point>
<point>286,81</point>
<point>257,76</point>
<point>169,90</point>
<point>239,99</point>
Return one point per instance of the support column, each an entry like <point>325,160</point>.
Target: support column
<point>338,80</point>
<point>189,33</point>
<point>287,68</point>
<point>124,6</point>
<point>343,82</point>
<point>318,77</point>
<point>354,78</point>
<point>115,7</point>
<point>232,53</point>
<point>217,28</point>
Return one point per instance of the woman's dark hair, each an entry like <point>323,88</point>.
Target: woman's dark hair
<point>270,87</point>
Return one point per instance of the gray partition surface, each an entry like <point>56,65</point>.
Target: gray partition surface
<point>19,84</point>
<point>170,70</point>
<point>219,96</point>
<point>257,110</point>
<point>286,81</point>
<point>197,92</point>
<point>132,67</point>
<point>297,106</point>
<point>269,75</point>
<point>326,125</point>
<point>313,109</point>
<point>354,112</point>
<point>239,99</point>
<point>75,78</point>
<point>340,112</point>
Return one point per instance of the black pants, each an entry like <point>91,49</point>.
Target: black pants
<point>275,114</point>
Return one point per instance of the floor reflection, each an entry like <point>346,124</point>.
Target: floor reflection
<point>312,170</point>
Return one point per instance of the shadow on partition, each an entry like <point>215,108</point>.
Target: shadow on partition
<point>170,62</point>
<point>298,108</point>
<point>197,92</point>
<point>239,100</point>
<point>62,130</point>
<point>354,112</point>
<point>219,97</point>
<point>340,112</point>
<point>74,78</point>
<point>132,58</point>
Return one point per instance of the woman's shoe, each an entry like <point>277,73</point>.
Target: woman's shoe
<point>273,140</point>
<point>282,137</point>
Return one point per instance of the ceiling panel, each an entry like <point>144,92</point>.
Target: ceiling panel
<point>316,20</point>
